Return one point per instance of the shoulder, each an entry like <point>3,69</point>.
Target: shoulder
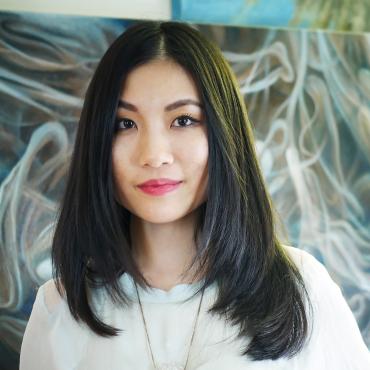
<point>301,258</point>
<point>49,297</point>
<point>313,272</point>
<point>324,292</point>
<point>337,339</point>
<point>52,338</point>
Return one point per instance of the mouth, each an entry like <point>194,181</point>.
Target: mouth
<point>159,182</point>
<point>159,189</point>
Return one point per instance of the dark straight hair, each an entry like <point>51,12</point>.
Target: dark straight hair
<point>260,288</point>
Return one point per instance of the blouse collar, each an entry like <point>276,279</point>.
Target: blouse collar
<point>176,294</point>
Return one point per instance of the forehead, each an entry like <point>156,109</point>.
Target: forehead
<point>157,80</point>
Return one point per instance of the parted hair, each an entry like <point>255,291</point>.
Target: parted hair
<point>260,289</point>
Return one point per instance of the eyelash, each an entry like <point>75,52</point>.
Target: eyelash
<point>186,116</point>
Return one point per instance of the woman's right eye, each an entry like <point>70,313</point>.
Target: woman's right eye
<point>124,124</point>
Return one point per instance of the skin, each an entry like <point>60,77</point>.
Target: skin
<point>152,143</point>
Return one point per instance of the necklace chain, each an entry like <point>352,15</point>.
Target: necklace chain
<point>169,366</point>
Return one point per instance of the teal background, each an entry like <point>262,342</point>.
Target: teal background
<point>308,98</point>
<point>334,15</point>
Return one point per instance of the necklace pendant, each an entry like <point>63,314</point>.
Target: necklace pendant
<point>170,366</point>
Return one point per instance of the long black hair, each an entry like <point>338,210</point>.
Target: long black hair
<point>260,288</point>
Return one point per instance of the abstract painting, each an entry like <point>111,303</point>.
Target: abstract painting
<point>336,15</point>
<point>308,97</point>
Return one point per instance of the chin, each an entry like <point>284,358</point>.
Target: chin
<point>161,214</point>
<point>161,217</point>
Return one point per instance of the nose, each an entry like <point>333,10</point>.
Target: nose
<point>155,149</point>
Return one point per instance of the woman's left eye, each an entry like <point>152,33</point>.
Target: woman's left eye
<point>186,118</point>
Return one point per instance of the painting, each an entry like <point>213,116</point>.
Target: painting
<point>307,93</point>
<point>335,15</point>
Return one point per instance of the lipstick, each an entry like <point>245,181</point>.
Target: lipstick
<point>159,186</point>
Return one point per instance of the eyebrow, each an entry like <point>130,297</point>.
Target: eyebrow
<point>169,107</point>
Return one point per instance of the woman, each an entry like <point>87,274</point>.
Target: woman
<point>165,253</point>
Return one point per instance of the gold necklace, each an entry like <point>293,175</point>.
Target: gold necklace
<point>169,366</point>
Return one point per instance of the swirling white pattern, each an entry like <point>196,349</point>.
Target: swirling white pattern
<point>308,98</point>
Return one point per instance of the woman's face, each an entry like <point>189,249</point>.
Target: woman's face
<point>154,140</point>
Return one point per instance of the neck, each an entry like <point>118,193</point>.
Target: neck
<point>163,252</point>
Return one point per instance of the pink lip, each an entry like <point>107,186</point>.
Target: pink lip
<point>160,189</point>
<point>159,182</point>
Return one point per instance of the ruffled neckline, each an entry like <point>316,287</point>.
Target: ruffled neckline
<point>177,293</point>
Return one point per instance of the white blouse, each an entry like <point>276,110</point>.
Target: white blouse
<point>53,340</point>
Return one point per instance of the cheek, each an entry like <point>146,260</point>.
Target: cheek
<point>195,154</point>
<point>118,163</point>
<point>200,151</point>
<point>201,158</point>
<point>115,162</point>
